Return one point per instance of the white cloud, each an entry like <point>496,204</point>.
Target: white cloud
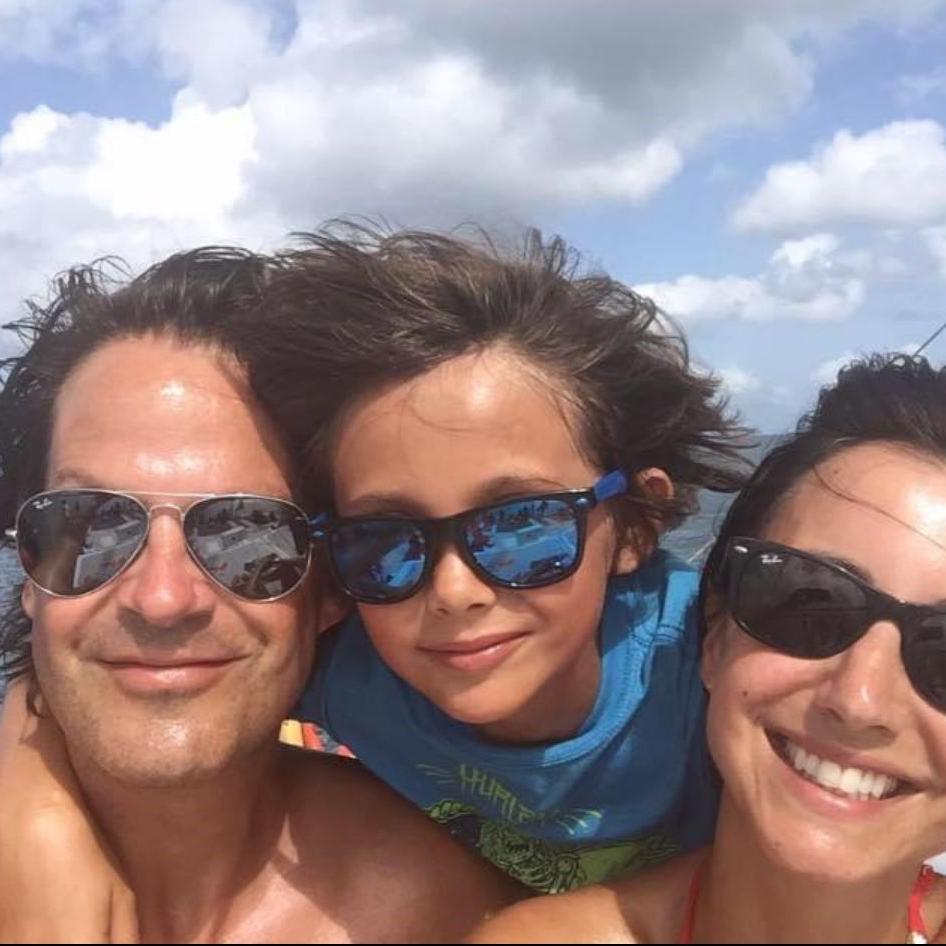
<point>935,239</point>
<point>827,371</point>
<point>738,380</point>
<point>424,112</point>
<point>75,187</point>
<point>916,88</point>
<point>806,279</point>
<point>891,176</point>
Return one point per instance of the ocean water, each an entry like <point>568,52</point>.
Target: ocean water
<point>692,540</point>
<point>10,571</point>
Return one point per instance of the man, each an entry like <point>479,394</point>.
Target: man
<point>129,420</point>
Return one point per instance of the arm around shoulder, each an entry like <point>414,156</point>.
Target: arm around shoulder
<point>583,916</point>
<point>411,881</point>
<point>57,883</point>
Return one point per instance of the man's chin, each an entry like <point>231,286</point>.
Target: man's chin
<point>159,755</point>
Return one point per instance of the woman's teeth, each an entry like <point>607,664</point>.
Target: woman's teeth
<point>852,782</point>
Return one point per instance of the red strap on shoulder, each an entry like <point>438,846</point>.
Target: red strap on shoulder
<point>921,888</point>
<point>689,919</point>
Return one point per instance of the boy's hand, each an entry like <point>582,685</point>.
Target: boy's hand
<point>57,882</point>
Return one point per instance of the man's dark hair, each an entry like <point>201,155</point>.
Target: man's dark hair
<point>191,297</point>
<point>888,398</point>
<point>355,308</point>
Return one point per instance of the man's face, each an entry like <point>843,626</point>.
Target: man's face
<point>161,676</point>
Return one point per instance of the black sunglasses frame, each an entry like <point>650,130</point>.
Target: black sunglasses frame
<point>437,532</point>
<point>912,620</point>
<point>197,500</point>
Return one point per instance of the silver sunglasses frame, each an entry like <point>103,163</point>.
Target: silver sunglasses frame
<point>196,498</point>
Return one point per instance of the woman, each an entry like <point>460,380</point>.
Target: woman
<point>825,659</point>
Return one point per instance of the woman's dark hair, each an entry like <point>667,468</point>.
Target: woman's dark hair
<point>191,297</point>
<point>891,398</point>
<point>355,308</point>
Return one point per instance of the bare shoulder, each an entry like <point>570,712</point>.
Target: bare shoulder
<point>590,915</point>
<point>400,876</point>
<point>645,907</point>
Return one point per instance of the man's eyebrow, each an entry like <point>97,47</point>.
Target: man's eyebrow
<point>75,477</point>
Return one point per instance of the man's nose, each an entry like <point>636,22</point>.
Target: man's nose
<point>164,586</point>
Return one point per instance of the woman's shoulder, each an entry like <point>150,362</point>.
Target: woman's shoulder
<point>588,915</point>
<point>645,907</point>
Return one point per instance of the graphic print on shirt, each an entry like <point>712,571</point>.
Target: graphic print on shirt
<point>545,866</point>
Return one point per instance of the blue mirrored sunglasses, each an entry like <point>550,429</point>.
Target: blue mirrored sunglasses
<point>527,542</point>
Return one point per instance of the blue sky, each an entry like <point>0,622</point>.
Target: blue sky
<point>773,173</point>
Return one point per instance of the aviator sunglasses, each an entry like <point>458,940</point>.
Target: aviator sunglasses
<point>805,606</point>
<point>528,542</point>
<point>73,541</point>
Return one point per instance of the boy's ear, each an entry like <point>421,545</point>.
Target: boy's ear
<point>638,541</point>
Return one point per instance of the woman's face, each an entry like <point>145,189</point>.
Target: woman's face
<point>522,665</point>
<point>881,509</point>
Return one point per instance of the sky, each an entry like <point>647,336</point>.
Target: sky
<point>771,172</point>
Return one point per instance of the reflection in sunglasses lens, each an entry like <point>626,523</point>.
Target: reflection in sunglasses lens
<point>72,542</point>
<point>379,558</point>
<point>258,548</point>
<point>533,542</point>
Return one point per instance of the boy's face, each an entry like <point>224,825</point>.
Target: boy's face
<point>520,665</point>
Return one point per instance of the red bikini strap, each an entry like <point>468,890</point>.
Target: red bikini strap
<point>689,918</point>
<point>921,888</point>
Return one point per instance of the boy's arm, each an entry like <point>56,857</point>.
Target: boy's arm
<point>57,881</point>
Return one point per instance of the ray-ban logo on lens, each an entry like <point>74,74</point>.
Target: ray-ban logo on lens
<point>770,558</point>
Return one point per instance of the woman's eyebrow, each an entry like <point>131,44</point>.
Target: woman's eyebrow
<point>864,574</point>
<point>848,566</point>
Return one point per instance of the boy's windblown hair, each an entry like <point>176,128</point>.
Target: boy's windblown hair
<point>355,308</point>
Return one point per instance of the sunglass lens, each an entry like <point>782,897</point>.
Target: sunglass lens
<point>925,659</point>
<point>525,543</point>
<point>798,605</point>
<point>255,547</point>
<point>72,542</point>
<point>379,560</point>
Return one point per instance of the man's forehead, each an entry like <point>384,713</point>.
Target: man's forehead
<point>153,414</point>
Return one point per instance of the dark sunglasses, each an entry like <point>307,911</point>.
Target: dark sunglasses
<point>73,541</point>
<point>519,543</point>
<point>805,606</point>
